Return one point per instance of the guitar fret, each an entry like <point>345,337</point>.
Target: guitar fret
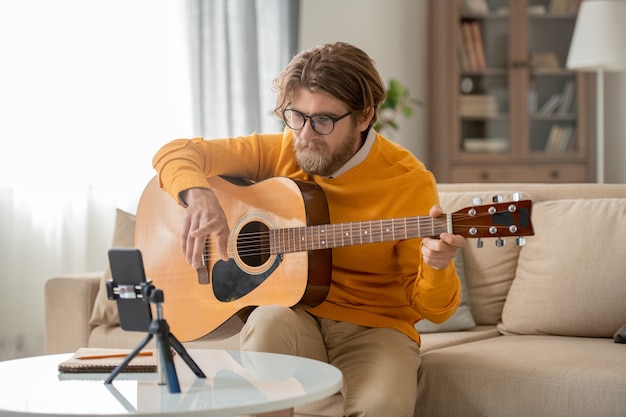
<point>283,243</point>
<point>363,233</point>
<point>405,233</point>
<point>333,244</point>
<point>288,240</point>
<point>352,226</point>
<point>342,234</point>
<point>308,238</point>
<point>272,240</point>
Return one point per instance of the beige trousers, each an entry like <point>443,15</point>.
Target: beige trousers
<point>379,365</point>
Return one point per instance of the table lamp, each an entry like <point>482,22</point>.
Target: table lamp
<point>598,46</point>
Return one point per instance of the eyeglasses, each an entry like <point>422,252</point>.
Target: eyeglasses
<point>321,123</point>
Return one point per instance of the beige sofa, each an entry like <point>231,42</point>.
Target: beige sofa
<point>533,336</point>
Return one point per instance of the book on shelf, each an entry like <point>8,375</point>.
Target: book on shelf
<point>479,50</point>
<point>550,104</point>
<point>478,105</point>
<point>473,6</point>
<point>485,145</point>
<point>468,46</point>
<point>471,47</point>
<point>567,98</point>
<point>564,6</point>
<point>464,59</point>
<point>539,9</point>
<point>544,61</point>
<point>558,139</point>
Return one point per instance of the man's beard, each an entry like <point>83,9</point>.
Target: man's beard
<point>315,158</point>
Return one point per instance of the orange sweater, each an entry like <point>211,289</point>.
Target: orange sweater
<point>374,285</point>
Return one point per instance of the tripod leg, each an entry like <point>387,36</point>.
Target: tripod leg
<point>167,362</point>
<point>180,349</point>
<point>119,368</point>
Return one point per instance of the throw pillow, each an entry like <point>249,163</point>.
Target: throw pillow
<point>105,310</point>
<point>570,275</point>
<point>462,318</point>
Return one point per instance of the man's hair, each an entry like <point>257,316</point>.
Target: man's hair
<point>339,69</point>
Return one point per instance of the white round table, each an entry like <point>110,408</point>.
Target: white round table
<point>236,383</point>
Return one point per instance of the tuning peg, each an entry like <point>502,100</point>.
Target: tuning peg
<point>517,196</point>
<point>477,201</point>
<point>499,242</point>
<point>520,241</point>
<point>479,243</point>
<point>497,199</point>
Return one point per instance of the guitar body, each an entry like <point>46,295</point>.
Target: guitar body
<point>215,303</point>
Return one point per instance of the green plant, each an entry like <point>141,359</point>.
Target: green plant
<point>398,102</point>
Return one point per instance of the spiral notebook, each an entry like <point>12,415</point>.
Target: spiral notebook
<point>100,360</point>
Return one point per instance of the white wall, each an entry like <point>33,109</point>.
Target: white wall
<point>393,32</point>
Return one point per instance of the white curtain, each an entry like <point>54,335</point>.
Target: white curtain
<point>88,92</point>
<point>238,48</point>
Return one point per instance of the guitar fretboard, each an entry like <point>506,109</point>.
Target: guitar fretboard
<point>299,239</point>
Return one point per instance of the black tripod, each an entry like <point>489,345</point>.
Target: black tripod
<point>165,341</point>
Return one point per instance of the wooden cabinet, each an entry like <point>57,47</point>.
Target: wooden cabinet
<point>502,106</point>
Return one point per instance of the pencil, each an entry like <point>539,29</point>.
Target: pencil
<point>112,355</point>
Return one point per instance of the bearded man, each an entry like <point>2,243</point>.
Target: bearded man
<point>328,97</point>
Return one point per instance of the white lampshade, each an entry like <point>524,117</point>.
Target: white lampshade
<point>599,36</point>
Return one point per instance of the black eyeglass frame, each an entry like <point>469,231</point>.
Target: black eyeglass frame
<point>312,122</point>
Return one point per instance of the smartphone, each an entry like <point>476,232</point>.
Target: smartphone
<point>129,278</point>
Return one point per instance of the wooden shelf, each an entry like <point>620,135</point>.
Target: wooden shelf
<point>493,76</point>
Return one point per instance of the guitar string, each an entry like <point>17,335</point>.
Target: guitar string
<point>258,243</point>
<point>248,243</point>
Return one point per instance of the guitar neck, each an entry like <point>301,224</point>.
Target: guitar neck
<point>328,236</point>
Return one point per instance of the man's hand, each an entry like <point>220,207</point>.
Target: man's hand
<point>438,253</point>
<point>203,216</point>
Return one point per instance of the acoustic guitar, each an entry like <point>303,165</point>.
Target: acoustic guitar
<point>280,248</point>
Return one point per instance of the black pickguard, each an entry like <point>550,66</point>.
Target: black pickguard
<point>231,283</point>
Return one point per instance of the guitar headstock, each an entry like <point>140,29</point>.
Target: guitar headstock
<point>498,220</point>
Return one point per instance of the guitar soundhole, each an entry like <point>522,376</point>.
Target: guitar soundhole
<point>253,245</point>
<point>234,279</point>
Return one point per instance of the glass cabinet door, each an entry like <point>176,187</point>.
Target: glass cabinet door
<point>483,34</point>
<point>552,89</point>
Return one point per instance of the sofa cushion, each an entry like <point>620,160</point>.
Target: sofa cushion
<point>489,271</point>
<point>510,376</point>
<point>571,276</point>
<point>105,310</point>
<point>462,318</point>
